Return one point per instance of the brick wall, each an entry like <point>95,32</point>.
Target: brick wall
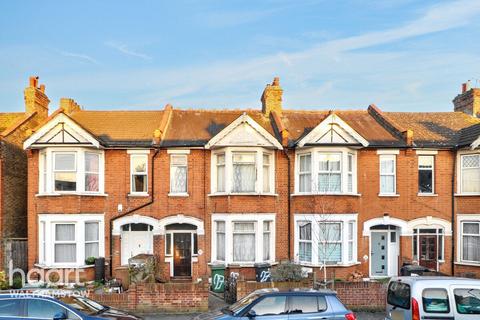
<point>362,295</point>
<point>245,287</point>
<point>159,297</point>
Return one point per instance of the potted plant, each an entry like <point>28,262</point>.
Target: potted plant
<point>90,260</point>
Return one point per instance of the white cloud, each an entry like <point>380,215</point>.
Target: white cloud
<point>123,48</point>
<point>79,56</point>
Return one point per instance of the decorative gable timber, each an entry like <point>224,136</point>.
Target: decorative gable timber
<point>61,130</point>
<point>333,130</point>
<point>244,131</point>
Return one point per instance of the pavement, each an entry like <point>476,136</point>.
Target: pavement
<point>216,303</point>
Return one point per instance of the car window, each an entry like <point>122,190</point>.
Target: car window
<point>302,304</point>
<point>322,303</point>
<point>398,295</point>
<point>435,300</point>
<point>270,306</point>
<point>467,301</point>
<point>44,309</point>
<point>82,304</point>
<point>10,308</point>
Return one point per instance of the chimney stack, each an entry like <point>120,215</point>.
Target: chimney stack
<point>272,97</point>
<point>69,105</point>
<point>468,101</point>
<point>35,98</point>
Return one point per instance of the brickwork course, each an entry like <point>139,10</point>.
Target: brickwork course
<point>404,134</point>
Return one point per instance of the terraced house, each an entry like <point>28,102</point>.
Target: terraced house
<point>361,190</point>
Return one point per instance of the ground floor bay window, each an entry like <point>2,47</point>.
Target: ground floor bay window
<point>326,239</point>
<point>243,239</point>
<point>66,240</point>
<point>469,239</point>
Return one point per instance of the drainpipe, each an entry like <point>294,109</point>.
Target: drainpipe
<point>152,200</point>
<point>454,173</point>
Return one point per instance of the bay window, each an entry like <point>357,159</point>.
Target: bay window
<point>66,240</point>
<point>387,174</point>
<point>243,239</point>
<point>326,171</point>
<point>178,174</point>
<point>470,174</point>
<point>470,239</point>
<point>242,170</point>
<point>73,170</point>
<point>329,239</point>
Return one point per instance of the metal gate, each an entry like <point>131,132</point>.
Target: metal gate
<point>231,288</point>
<point>15,251</point>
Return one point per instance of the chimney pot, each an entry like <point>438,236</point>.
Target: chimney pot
<point>33,81</point>
<point>276,81</point>
<point>42,88</point>
<point>35,98</point>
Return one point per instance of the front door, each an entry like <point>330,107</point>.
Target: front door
<point>134,243</point>
<point>182,256</point>
<point>428,251</point>
<point>379,254</point>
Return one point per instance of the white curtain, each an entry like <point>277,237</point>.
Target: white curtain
<point>244,178</point>
<point>244,241</point>
<point>471,242</point>
<point>266,173</point>
<point>387,175</point>
<point>471,180</point>
<point>220,240</point>
<point>91,239</point>
<point>305,246</point>
<point>330,176</point>
<point>266,240</point>
<point>64,251</point>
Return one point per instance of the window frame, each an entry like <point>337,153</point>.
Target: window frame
<point>68,242</point>
<point>461,171</point>
<point>432,169</point>
<point>394,173</point>
<point>46,171</point>
<point>48,236</point>
<point>75,170</point>
<point>91,172</point>
<point>133,173</point>
<point>462,234</point>
<point>254,232</point>
<point>306,241</point>
<point>92,241</point>
<point>229,219</point>
<point>172,173</point>
<point>345,174</point>
<point>228,166</point>
<point>330,172</point>
<point>326,242</point>
<point>315,219</point>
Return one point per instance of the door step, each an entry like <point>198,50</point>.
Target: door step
<point>181,279</point>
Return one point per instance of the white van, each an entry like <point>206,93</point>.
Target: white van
<point>442,298</point>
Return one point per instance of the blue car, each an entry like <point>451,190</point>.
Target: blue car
<point>295,304</point>
<point>35,306</point>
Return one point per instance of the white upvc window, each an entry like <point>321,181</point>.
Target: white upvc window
<point>178,174</point>
<point>243,239</point>
<point>470,241</point>
<point>388,176</point>
<point>326,239</point>
<point>138,173</point>
<point>66,240</point>
<point>242,170</point>
<point>470,173</point>
<point>323,170</point>
<point>426,174</point>
<point>71,171</point>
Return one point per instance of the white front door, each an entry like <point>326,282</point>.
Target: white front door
<point>136,242</point>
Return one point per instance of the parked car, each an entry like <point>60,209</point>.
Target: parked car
<point>415,298</point>
<point>30,306</point>
<point>293,304</point>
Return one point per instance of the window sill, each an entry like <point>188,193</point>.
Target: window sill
<point>239,264</point>
<point>316,265</point>
<point>467,194</point>
<point>385,195</point>
<point>427,195</point>
<point>473,264</point>
<point>81,194</point>
<point>242,194</point>
<point>138,195</point>
<point>326,194</point>
<point>178,195</point>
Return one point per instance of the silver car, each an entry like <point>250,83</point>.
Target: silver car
<point>415,298</point>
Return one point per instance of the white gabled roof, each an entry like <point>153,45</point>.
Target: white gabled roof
<point>61,130</point>
<point>333,130</point>
<point>244,131</point>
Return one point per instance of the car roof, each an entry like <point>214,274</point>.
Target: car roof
<point>445,279</point>
<point>299,291</point>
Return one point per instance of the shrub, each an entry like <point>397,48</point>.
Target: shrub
<point>90,260</point>
<point>17,282</point>
<point>287,271</point>
<point>3,281</point>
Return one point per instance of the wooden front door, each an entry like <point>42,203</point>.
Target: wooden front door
<point>182,259</point>
<point>428,251</point>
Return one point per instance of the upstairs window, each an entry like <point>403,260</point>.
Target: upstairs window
<point>326,171</point>
<point>178,174</point>
<point>75,170</point>
<point>470,173</point>
<point>243,171</point>
<point>425,174</point>
<point>387,174</point>
<point>139,173</point>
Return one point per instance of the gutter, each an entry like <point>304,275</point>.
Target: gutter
<point>454,173</point>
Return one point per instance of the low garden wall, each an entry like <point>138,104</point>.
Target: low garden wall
<point>159,297</point>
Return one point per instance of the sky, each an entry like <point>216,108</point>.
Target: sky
<point>402,55</point>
